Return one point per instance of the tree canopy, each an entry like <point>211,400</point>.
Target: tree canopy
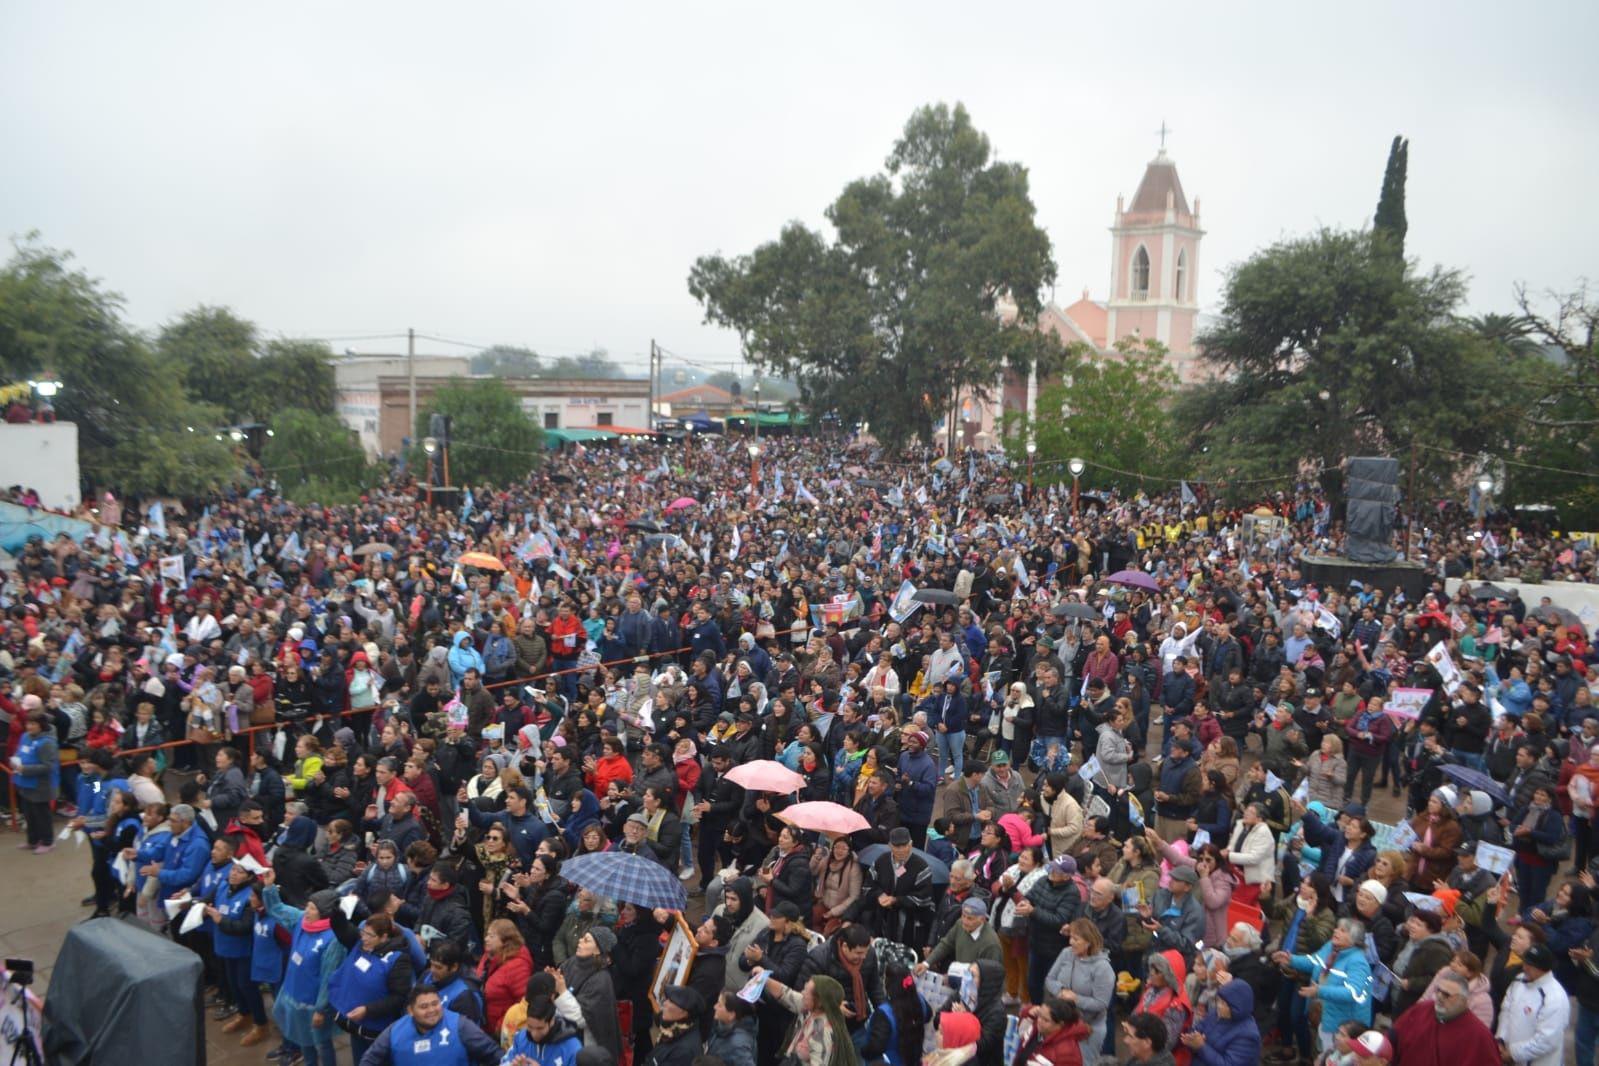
<point>908,302</point>
<point>1326,347</point>
<point>491,438</point>
<point>316,458</point>
<point>1112,409</point>
<point>136,431</point>
<point>222,361</point>
<point>506,361</point>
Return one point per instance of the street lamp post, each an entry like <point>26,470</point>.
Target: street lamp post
<point>1485,485</point>
<point>755,473</point>
<point>1032,448</point>
<point>1076,466</point>
<point>755,420</point>
<point>430,445</point>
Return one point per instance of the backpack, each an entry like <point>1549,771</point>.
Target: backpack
<point>499,655</point>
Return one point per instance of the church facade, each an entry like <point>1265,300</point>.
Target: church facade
<point>1154,273</point>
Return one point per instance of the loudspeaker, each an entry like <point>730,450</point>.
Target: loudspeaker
<point>122,993</point>
<point>1372,487</point>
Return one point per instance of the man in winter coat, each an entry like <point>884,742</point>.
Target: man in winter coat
<point>962,887</point>
<point>1001,789</point>
<point>1443,1031</point>
<point>748,922</point>
<point>969,939</point>
<point>896,899</point>
<point>1176,793</point>
<point>918,783</point>
<point>444,907</point>
<point>1177,913</point>
<point>1535,1013</point>
<point>1050,905</point>
<point>846,953</point>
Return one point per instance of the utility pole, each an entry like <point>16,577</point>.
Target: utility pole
<point>654,357</point>
<point>410,373</point>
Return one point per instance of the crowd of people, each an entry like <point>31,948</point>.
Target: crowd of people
<point>1118,765</point>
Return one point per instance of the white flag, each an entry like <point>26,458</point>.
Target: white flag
<point>172,569</point>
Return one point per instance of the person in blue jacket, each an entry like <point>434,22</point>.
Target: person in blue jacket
<point>1339,976</point>
<point>524,829</point>
<point>186,854</point>
<point>36,767</point>
<point>232,921</point>
<point>918,781</point>
<point>1346,849</point>
<point>149,848</point>
<point>368,990</point>
<point>302,1007</point>
<point>95,787</point>
<point>463,657</point>
<point>946,717</point>
<point>1228,1035</point>
<point>430,1034</point>
<point>544,1039</point>
<point>447,972</point>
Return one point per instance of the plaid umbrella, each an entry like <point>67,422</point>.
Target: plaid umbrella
<point>626,878</point>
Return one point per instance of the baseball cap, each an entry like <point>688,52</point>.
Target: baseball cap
<point>1372,1044</point>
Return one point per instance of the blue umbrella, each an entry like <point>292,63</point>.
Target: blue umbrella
<point>1469,778</point>
<point>870,852</point>
<point>627,878</point>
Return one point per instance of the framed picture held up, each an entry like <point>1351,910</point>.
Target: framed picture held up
<point>677,961</point>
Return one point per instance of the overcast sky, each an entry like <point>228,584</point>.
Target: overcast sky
<point>545,174</point>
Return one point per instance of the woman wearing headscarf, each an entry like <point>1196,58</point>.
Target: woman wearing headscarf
<point>821,1036</point>
<point>586,977</point>
<point>638,947</point>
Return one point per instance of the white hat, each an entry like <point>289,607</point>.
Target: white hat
<point>1376,889</point>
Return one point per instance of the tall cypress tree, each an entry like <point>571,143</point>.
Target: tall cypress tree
<point>1389,224</point>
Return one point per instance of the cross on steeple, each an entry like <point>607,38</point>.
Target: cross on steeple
<point>1162,132</point>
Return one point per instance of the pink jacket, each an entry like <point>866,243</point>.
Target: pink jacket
<point>1021,834</point>
<point>1215,893</point>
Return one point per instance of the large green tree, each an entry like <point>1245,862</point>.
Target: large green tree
<point>315,458</point>
<point>292,373</point>
<point>590,366</point>
<point>911,299</point>
<point>1325,349</point>
<point>212,350</point>
<point>138,432</point>
<point>491,439</point>
<point>1111,409</point>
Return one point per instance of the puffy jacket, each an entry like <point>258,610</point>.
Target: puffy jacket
<point>185,860</point>
<point>1343,982</point>
<point>504,983</point>
<point>463,657</point>
<point>1233,1041</point>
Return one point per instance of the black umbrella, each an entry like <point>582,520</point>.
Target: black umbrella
<point>943,596</point>
<point>1489,592</point>
<point>1077,610</point>
<point>644,527</point>
<point>1558,615</point>
<point>561,479</point>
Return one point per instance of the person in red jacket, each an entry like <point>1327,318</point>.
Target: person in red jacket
<point>610,766</point>
<point>1058,1029</point>
<point>503,971</point>
<point>566,640</point>
<point>1442,1031</point>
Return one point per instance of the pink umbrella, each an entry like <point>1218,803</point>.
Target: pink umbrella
<point>765,775</point>
<point>682,502</point>
<point>822,816</point>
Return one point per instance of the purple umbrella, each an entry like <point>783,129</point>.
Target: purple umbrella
<point>1135,579</point>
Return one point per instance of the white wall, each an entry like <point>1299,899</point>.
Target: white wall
<point>42,456</point>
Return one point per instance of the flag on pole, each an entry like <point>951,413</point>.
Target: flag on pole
<point>1187,494</point>
<point>157,519</point>
<point>172,569</point>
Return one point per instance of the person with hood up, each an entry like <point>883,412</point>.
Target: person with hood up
<point>299,873</point>
<point>462,657</point>
<point>1339,976</point>
<point>1059,1035</point>
<point>748,921</point>
<point>1228,1036</point>
<point>1165,997</point>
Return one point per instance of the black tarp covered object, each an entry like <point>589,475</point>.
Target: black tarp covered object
<point>121,993</point>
